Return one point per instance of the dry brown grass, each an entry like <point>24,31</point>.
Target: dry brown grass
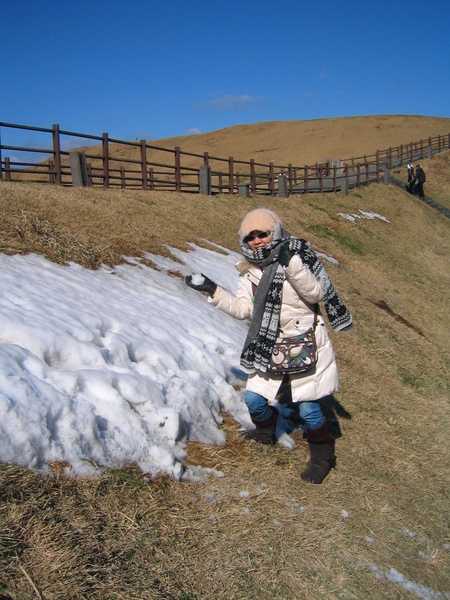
<point>260,532</point>
<point>307,142</point>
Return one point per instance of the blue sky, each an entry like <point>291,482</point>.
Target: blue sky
<point>155,69</point>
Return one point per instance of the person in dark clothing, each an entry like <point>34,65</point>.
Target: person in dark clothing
<point>421,178</point>
<point>411,178</point>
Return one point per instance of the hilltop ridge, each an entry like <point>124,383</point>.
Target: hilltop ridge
<point>307,142</point>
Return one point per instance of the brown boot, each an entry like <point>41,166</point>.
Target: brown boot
<point>322,457</point>
<point>264,431</point>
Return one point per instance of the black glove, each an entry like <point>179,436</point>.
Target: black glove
<point>285,254</point>
<point>206,286</point>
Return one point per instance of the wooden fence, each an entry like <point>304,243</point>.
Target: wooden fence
<point>112,163</point>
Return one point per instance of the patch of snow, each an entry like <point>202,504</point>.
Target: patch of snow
<point>363,214</point>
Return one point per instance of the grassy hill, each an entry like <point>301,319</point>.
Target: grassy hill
<point>308,142</point>
<point>290,142</point>
<point>378,526</point>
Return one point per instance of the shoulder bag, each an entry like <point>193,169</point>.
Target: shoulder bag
<point>295,354</point>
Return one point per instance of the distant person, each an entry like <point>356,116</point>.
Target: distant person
<point>281,281</point>
<point>411,178</point>
<point>421,178</point>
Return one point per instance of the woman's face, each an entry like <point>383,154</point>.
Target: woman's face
<point>258,239</point>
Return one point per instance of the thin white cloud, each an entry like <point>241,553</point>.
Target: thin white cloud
<point>230,101</point>
<point>193,131</point>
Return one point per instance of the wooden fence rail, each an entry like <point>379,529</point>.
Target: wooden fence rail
<point>113,163</point>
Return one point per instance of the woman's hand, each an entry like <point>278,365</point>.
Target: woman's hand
<point>201,283</point>
<point>285,254</point>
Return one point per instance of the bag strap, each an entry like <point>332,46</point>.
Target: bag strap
<point>316,312</point>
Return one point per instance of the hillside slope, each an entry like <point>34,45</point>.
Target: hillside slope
<point>307,142</point>
<point>377,527</point>
<point>297,143</point>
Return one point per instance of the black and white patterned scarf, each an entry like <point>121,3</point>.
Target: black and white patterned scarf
<point>263,330</point>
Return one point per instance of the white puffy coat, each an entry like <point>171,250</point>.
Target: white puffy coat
<point>301,291</point>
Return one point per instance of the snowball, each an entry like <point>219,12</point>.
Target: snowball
<point>198,279</point>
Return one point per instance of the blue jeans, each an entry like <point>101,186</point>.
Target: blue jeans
<point>259,409</point>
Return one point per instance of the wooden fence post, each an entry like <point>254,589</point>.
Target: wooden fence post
<point>57,154</point>
<point>230,175</point>
<point>177,169</point>
<point>89,174</point>
<point>271,181</point>
<point>7,169</point>
<point>144,170</point>
<point>51,172</point>
<point>252,176</point>
<point>105,158</point>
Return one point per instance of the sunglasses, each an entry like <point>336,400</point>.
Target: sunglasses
<point>260,236</point>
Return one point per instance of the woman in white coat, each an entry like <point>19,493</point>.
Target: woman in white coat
<point>280,284</point>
